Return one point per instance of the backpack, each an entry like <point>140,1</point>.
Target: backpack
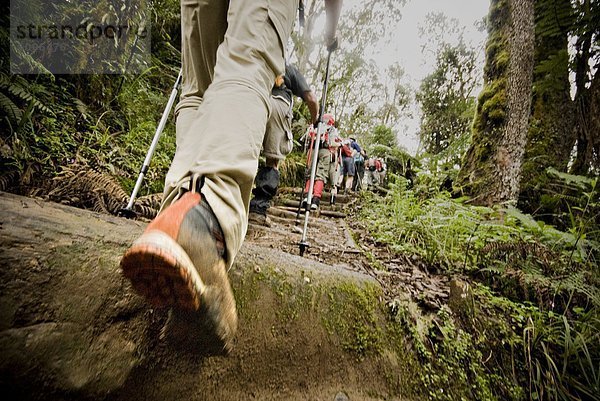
<point>371,163</point>
<point>332,137</point>
<point>346,151</point>
<point>329,138</point>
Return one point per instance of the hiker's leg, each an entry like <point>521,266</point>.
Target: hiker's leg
<point>334,171</point>
<point>221,140</point>
<point>279,141</point>
<point>277,144</point>
<point>349,182</point>
<point>323,165</point>
<point>203,26</point>
<point>266,184</point>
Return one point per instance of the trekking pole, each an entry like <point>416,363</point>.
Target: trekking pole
<point>128,210</point>
<point>334,189</point>
<point>306,174</point>
<point>313,170</point>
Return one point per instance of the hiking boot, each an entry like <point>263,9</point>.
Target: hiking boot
<point>179,262</point>
<point>259,219</point>
<point>314,204</point>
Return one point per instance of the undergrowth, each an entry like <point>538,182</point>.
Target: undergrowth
<point>532,327</point>
<point>102,122</point>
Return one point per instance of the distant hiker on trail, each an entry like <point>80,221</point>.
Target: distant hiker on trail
<point>371,173</point>
<point>327,163</point>
<point>348,165</point>
<point>380,168</point>
<point>278,141</point>
<point>359,165</point>
<point>232,52</point>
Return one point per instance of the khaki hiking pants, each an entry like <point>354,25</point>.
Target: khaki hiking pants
<point>231,53</point>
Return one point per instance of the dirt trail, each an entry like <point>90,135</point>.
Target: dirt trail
<point>342,242</point>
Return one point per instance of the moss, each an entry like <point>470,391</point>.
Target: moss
<point>497,55</point>
<point>502,60</point>
<point>353,317</point>
<point>353,310</point>
<point>246,290</point>
<point>494,105</point>
<point>450,356</point>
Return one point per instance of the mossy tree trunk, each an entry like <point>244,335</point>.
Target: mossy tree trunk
<point>587,127</point>
<point>595,120</point>
<point>492,169</point>
<point>551,133</point>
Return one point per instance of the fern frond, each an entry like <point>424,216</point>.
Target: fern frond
<point>25,95</point>
<point>145,211</point>
<point>152,201</point>
<point>11,110</point>
<point>90,188</point>
<point>8,179</point>
<point>554,17</point>
<point>578,181</point>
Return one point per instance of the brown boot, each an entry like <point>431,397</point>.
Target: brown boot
<point>259,219</point>
<point>179,262</point>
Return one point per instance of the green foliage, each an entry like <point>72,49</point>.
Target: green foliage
<point>379,141</point>
<point>292,170</point>
<point>575,202</point>
<point>445,99</point>
<point>536,314</point>
<point>553,17</point>
<point>452,364</point>
<point>49,122</point>
<point>381,135</point>
<point>562,356</point>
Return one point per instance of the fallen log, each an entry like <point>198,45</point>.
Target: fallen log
<point>290,217</point>
<point>328,213</point>
<point>339,198</point>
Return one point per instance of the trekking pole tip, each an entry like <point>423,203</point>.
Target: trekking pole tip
<point>127,213</point>
<point>303,246</point>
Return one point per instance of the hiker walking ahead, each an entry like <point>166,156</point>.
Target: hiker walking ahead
<point>348,169</point>
<point>232,51</point>
<point>380,168</point>
<point>371,173</point>
<point>359,165</point>
<point>328,163</point>
<point>278,141</point>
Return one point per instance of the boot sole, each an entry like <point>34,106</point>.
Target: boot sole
<point>160,270</point>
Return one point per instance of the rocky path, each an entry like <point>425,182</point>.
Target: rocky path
<point>337,240</point>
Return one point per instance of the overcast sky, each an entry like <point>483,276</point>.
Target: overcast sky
<point>406,45</point>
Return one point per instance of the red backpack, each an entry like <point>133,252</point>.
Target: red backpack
<point>346,151</point>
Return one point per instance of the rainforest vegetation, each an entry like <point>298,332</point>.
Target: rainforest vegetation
<point>503,193</point>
